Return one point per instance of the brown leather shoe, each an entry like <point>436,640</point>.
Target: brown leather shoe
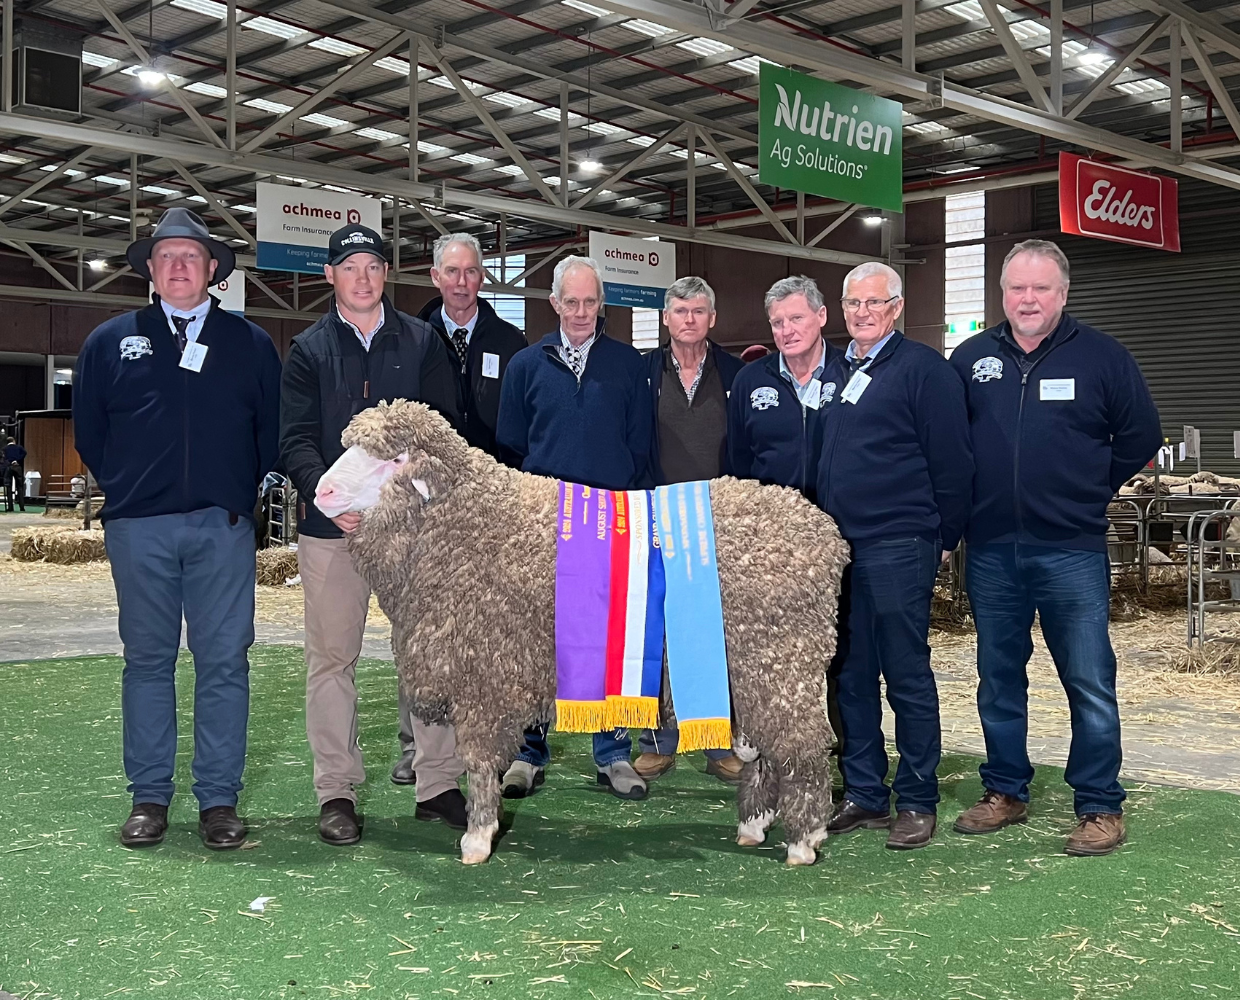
<point>911,830</point>
<point>726,769</point>
<point>850,816</point>
<point>652,765</point>
<point>1096,834</point>
<point>993,812</point>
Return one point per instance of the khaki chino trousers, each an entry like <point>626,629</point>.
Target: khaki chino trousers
<point>337,600</point>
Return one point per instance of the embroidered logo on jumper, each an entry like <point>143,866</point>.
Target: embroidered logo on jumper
<point>827,393</point>
<point>132,348</point>
<point>987,369</point>
<point>763,398</point>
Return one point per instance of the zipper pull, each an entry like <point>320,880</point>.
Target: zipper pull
<point>1024,378</point>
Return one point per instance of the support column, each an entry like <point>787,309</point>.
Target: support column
<point>414,49</point>
<point>1057,56</point>
<point>230,75</point>
<point>908,35</point>
<point>6,81</point>
<point>1177,88</point>
<point>564,144</point>
<point>691,179</point>
<point>49,395</point>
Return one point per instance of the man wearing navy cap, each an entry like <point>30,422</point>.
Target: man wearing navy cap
<point>176,412</point>
<point>360,353</point>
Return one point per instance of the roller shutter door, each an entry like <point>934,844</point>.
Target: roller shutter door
<point>1179,314</point>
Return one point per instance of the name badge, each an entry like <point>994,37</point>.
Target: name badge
<point>1057,388</point>
<point>856,386</point>
<point>193,356</point>
<point>813,394</point>
<point>490,365</point>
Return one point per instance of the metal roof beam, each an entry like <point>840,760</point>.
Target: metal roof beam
<point>528,208</point>
<point>886,77</point>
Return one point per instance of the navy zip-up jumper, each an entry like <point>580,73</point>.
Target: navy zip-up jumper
<point>771,437</point>
<point>594,430</point>
<point>1055,441</point>
<point>897,462</point>
<point>161,439</point>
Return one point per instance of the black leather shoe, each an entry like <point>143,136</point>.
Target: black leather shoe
<point>447,806</point>
<point>221,829</point>
<point>850,816</point>
<point>402,773</point>
<point>339,823</point>
<point>146,825</point>
<point>911,830</point>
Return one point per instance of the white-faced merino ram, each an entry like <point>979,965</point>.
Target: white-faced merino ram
<point>461,553</point>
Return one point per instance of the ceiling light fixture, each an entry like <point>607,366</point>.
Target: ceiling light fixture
<point>98,264</point>
<point>150,77</point>
<point>873,220</point>
<point>590,166</point>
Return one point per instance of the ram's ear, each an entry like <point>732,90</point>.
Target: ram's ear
<point>430,476</point>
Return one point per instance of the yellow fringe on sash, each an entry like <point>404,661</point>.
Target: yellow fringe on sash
<point>632,712</point>
<point>705,734</point>
<point>581,716</point>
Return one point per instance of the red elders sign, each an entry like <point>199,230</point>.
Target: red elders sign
<point>1112,203</point>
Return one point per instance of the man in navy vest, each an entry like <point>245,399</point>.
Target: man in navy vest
<point>576,406</point>
<point>1060,417</point>
<point>896,473</point>
<point>176,412</point>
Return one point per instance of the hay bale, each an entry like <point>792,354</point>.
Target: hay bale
<point>63,545</point>
<point>75,513</point>
<point>276,566</point>
<point>1219,657</point>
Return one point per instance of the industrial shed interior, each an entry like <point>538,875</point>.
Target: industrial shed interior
<point>539,126</point>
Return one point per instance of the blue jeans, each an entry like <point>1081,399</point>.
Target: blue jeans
<point>885,603</point>
<point>608,747</point>
<point>1070,591</point>
<point>202,564</point>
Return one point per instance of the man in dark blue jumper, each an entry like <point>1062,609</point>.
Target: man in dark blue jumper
<point>576,406</point>
<point>1060,417</point>
<point>774,411</point>
<point>896,473</point>
<point>176,411</point>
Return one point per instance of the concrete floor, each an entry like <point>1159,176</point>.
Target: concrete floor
<point>1178,729</point>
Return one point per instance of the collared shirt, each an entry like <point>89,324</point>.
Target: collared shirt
<point>809,393</point>
<point>452,325</point>
<point>365,338</point>
<point>198,316</point>
<point>851,353</point>
<point>576,357</point>
<point>697,378</point>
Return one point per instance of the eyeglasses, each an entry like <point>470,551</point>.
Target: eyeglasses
<point>873,305</point>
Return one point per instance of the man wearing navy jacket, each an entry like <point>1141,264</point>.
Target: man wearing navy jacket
<point>176,411</point>
<point>774,412</point>
<point>575,406</point>
<point>690,378</point>
<point>896,473</point>
<point>1060,417</point>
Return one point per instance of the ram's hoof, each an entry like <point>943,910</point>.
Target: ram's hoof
<point>476,844</point>
<point>751,832</point>
<point>801,854</point>
<point>473,858</point>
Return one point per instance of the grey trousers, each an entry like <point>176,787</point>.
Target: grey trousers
<point>337,600</point>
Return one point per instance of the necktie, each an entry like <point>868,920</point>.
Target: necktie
<point>182,324</point>
<point>855,363</point>
<point>461,343</point>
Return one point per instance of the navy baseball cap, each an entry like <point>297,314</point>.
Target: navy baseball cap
<point>354,239</point>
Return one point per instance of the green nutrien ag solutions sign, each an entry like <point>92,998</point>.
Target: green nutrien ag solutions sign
<point>825,139</point>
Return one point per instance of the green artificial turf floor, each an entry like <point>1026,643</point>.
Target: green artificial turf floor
<point>586,896</point>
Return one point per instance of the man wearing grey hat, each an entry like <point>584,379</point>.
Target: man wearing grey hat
<point>360,353</point>
<point>176,412</point>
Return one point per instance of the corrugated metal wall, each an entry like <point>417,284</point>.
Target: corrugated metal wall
<point>1179,314</point>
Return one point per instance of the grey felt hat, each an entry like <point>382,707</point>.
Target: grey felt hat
<point>181,223</point>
